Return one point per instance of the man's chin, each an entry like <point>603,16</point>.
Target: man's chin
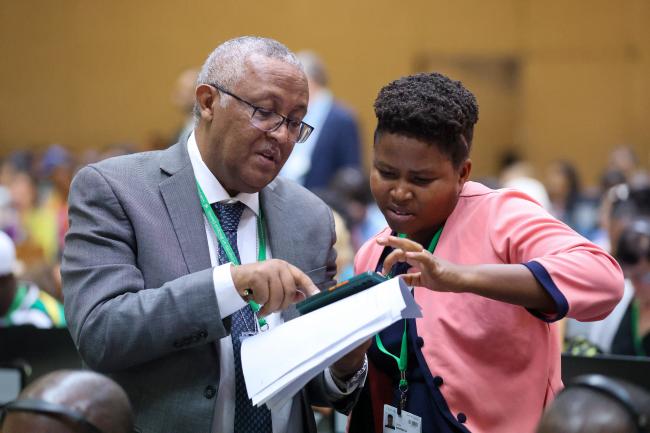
<point>256,185</point>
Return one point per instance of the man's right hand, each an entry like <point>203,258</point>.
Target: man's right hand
<point>272,283</point>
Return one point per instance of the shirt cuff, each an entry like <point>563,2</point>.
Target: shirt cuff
<point>339,388</point>
<point>544,278</point>
<point>228,298</point>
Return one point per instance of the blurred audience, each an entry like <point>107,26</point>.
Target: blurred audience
<point>598,404</point>
<point>69,401</point>
<point>22,302</point>
<point>625,330</point>
<point>334,143</point>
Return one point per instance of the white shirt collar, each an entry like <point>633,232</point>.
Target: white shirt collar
<point>211,186</point>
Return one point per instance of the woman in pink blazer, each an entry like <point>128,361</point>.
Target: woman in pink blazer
<point>491,269</point>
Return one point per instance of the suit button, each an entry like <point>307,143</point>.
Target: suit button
<point>461,417</point>
<point>437,381</point>
<point>209,392</point>
<point>203,334</point>
<point>178,344</point>
<point>420,341</point>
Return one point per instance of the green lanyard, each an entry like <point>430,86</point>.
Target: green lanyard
<point>638,343</point>
<point>225,243</point>
<point>402,361</point>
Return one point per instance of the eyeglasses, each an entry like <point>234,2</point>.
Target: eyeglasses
<point>269,121</point>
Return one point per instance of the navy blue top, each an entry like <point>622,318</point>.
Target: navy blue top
<point>424,397</point>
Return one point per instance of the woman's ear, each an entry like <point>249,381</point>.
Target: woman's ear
<point>464,171</point>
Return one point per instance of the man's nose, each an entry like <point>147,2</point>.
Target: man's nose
<point>281,133</point>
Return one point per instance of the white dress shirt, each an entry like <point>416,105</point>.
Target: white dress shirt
<point>230,301</point>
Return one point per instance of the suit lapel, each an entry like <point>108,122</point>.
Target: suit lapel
<point>278,222</point>
<point>181,199</point>
<point>282,237</point>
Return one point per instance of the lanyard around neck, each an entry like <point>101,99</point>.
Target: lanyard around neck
<point>402,360</point>
<point>225,243</point>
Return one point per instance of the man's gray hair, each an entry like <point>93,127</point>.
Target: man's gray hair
<point>227,63</point>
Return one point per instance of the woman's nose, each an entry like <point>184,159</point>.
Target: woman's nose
<point>401,192</point>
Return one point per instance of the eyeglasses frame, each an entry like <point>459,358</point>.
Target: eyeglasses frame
<point>256,108</point>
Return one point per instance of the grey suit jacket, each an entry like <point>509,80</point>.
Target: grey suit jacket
<point>139,297</point>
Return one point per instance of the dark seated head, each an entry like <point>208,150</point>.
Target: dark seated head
<point>69,401</point>
<point>598,404</point>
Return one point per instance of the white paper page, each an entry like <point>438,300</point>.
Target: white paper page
<point>278,363</point>
<point>313,366</point>
<point>287,388</point>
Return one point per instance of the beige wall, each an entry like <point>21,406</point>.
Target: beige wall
<point>556,79</point>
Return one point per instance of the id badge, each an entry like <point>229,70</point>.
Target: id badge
<point>406,422</point>
<point>245,335</point>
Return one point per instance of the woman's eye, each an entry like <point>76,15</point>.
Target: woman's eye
<point>422,180</point>
<point>387,174</point>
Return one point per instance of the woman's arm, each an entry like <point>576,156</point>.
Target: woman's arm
<point>511,283</point>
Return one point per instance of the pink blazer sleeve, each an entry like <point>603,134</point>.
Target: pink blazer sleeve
<point>585,282</point>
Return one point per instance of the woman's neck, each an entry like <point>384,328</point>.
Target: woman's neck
<point>424,237</point>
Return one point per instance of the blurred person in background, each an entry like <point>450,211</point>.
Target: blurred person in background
<point>69,401</point>
<point>57,168</point>
<point>349,194</point>
<point>22,302</point>
<point>10,167</point>
<point>623,159</point>
<point>619,206</point>
<point>518,174</point>
<point>335,142</point>
<point>182,98</point>
<point>633,253</point>
<point>36,234</point>
<point>567,202</point>
<point>46,276</point>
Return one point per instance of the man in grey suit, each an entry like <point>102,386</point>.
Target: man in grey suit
<point>152,295</point>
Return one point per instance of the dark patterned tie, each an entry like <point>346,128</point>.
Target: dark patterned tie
<point>247,417</point>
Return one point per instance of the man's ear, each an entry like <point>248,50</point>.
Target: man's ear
<point>205,98</point>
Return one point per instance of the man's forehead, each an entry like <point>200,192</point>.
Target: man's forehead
<point>259,66</point>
